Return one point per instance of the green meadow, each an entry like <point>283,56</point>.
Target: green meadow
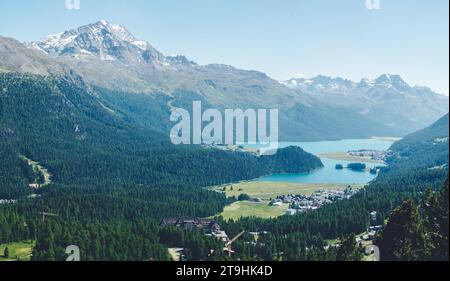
<point>253,209</point>
<point>18,251</point>
<point>271,190</point>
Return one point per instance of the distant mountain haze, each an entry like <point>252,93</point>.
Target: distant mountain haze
<point>127,74</point>
<point>388,99</point>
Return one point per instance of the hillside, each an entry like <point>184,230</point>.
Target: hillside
<point>406,178</point>
<point>110,177</point>
<point>429,147</point>
<point>14,56</point>
<point>137,78</point>
<point>87,159</point>
<point>113,179</point>
<point>421,219</point>
<point>60,123</point>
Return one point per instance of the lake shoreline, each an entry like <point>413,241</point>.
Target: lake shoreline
<point>265,188</point>
<point>327,174</point>
<point>344,156</point>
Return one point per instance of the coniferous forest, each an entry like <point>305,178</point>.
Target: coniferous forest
<point>111,181</point>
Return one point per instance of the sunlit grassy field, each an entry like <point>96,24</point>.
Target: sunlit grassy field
<point>253,209</point>
<point>271,190</point>
<point>17,251</point>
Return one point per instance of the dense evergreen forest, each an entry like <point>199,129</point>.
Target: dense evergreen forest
<point>112,181</point>
<point>424,227</point>
<point>61,123</point>
<point>106,171</point>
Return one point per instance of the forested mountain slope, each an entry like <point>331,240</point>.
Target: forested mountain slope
<point>418,231</point>
<point>60,123</point>
<point>110,176</point>
<point>428,147</point>
<point>104,205</point>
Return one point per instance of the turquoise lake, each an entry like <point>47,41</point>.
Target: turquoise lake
<point>328,174</point>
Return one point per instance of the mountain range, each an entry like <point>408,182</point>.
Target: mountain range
<point>388,99</point>
<point>131,77</point>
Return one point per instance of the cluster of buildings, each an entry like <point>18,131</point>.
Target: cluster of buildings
<point>371,231</point>
<point>209,226</point>
<point>371,154</point>
<point>302,203</point>
<point>370,235</point>
<point>4,201</point>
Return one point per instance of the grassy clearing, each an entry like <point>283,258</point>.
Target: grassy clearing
<point>271,190</point>
<point>18,251</point>
<point>39,168</point>
<point>344,156</point>
<point>253,209</point>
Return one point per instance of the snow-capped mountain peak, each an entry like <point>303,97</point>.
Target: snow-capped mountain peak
<point>101,39</point>
<point>366,82</point>
<point>325,84</point>
<point>321,83</point>
<point>394,81</point>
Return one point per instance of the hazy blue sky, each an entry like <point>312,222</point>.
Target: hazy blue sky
<point>283,38</point>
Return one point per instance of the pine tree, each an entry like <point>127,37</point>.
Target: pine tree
<point>403,238</point>
<point>6,253</point>
<point>444,223</point>
<point>349,250</point>
<point>431,212</point>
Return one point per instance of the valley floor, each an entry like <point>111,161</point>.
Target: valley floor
<point>271,190</point>
<point>263,193</point>
<point>253,209</point>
